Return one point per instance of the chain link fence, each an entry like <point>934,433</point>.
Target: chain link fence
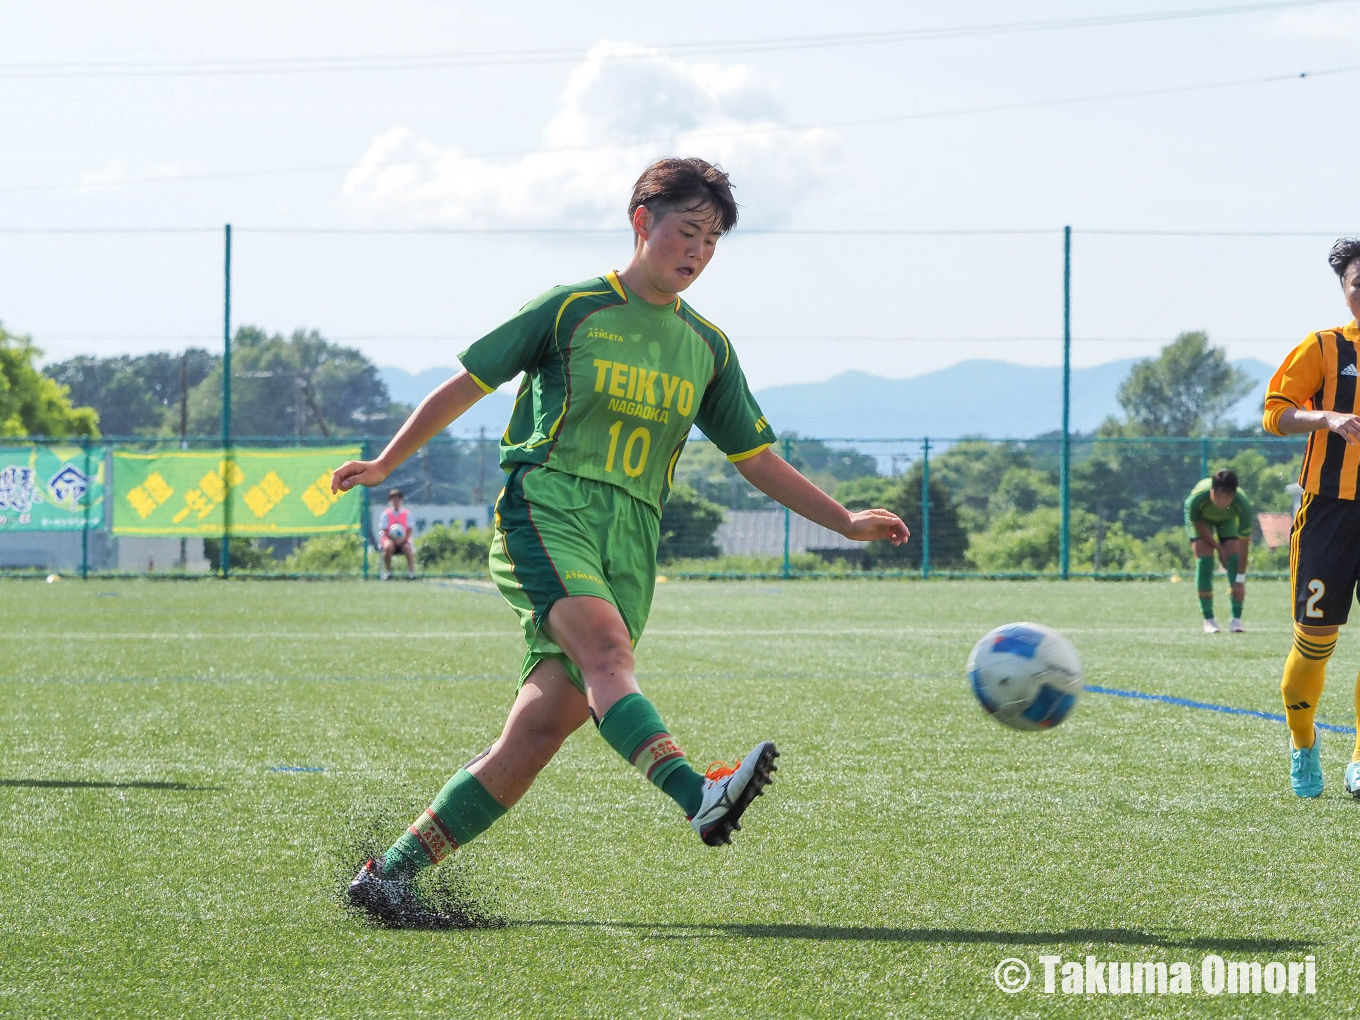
<point>976,507</point>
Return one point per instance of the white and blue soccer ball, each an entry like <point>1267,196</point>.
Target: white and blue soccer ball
<point>1026,675</point>
<point>397,533</point>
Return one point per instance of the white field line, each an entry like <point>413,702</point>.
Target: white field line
<point>438,635</point>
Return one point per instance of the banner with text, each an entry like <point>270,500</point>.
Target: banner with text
<point>47,488</point>
<point>270,492</point>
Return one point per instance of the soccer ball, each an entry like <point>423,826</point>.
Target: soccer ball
<point>396,533</point>
<point>1025,675</point>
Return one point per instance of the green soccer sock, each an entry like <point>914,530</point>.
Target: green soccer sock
<point>1232,578</point>
<point>1204,585</point>
<point>462,812</point>
<point>634,729</point>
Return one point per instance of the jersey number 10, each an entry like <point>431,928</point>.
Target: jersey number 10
<point>634,450</point>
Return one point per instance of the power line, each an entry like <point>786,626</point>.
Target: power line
<point>616,231</point>
<point>558,55</point>
<point>657,140</point>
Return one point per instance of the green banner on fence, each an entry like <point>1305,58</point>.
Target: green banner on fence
<point>46,488</point>
<point>271,491</point>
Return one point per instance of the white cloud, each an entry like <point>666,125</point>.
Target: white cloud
<point>623,107</point>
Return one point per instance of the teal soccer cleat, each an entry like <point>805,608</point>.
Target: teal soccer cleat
<point>1305,767</point>
<point>1353,779</point>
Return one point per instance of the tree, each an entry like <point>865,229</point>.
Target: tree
<point>704,467</point>
<point>971,472</point>
<point>688,524</point>
<point>31,404</point>
<point>135,396</point>
<point>1184,391</point>
<point>948,537</point>
<point>825,464</point>
<point>301,386</point>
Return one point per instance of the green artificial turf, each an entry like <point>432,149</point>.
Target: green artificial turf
<point>156,859</point>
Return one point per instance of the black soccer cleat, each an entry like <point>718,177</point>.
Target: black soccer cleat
<point>389,900</point>
<point>728,792</point>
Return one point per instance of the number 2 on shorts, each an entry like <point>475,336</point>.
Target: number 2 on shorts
<point>640,440</point>
<point>1310,608</point>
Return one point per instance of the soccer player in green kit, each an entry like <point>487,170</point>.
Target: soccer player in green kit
<point>616,370</point>
<point>1219,518</point>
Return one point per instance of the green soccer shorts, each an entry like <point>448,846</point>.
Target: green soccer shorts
<point>1223,529</point>
<point>559,535</point>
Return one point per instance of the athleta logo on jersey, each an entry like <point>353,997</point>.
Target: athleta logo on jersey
<point>643,392</point>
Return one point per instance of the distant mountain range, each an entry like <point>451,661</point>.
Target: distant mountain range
<point>973,398</point>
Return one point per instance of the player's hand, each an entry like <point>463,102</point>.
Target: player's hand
<point>1347,426</point>
<point>357,472</point>
<point>1239,591</point>
<point>869,525</point>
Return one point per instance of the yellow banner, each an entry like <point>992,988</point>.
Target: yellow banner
<point>283,491</point>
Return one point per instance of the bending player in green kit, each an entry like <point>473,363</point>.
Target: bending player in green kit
<point>1219,518</point>
<point>616,371</point>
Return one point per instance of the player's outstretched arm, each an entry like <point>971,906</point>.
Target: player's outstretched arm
<point>435,413</point>
<point>781,481</point>
<point>1294,421</point>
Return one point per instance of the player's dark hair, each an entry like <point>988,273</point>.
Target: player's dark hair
<point>1225,481</point>
<point>686,183</point>
<point>1343,253</point>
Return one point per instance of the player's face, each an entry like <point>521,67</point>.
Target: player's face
<point>677,246</point>
<point>1221,498</point>
<point>1350,286</point>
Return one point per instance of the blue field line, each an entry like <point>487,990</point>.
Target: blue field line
<point>1207,706</point>
<point>296,768</point>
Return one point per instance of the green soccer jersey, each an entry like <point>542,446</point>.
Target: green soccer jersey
<point>613,384</point>
<point>1199,507</point>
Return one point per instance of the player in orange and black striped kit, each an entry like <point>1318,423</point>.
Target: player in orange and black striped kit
<point>1314,391</point>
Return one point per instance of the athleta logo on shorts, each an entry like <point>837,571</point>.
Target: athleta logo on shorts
<point>656,751</point>
<point>580,575</point>
<point>437,840</point>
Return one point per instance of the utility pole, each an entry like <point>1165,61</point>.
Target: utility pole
<point>226,408</point>
<point>1065,465</point>
<point>183,436</point>
<point>481,466</point>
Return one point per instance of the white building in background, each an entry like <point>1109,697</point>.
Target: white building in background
<point>761,533</point>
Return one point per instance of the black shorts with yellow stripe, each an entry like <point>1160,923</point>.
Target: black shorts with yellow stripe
<point>1324,559</point>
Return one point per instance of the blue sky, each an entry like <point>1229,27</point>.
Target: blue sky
<point>553,141</point>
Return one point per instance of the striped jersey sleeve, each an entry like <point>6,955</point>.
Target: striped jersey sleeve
<point>1295,383</point>
<point>1321,374</point>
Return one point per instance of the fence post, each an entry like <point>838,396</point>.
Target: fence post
<point>925,507</point>
<point>363,512</point>
<point>1064,486</point>
<point>225,554</point>
<point>1204,456</point>
<point>788,449</point>
<point>85,531</point>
